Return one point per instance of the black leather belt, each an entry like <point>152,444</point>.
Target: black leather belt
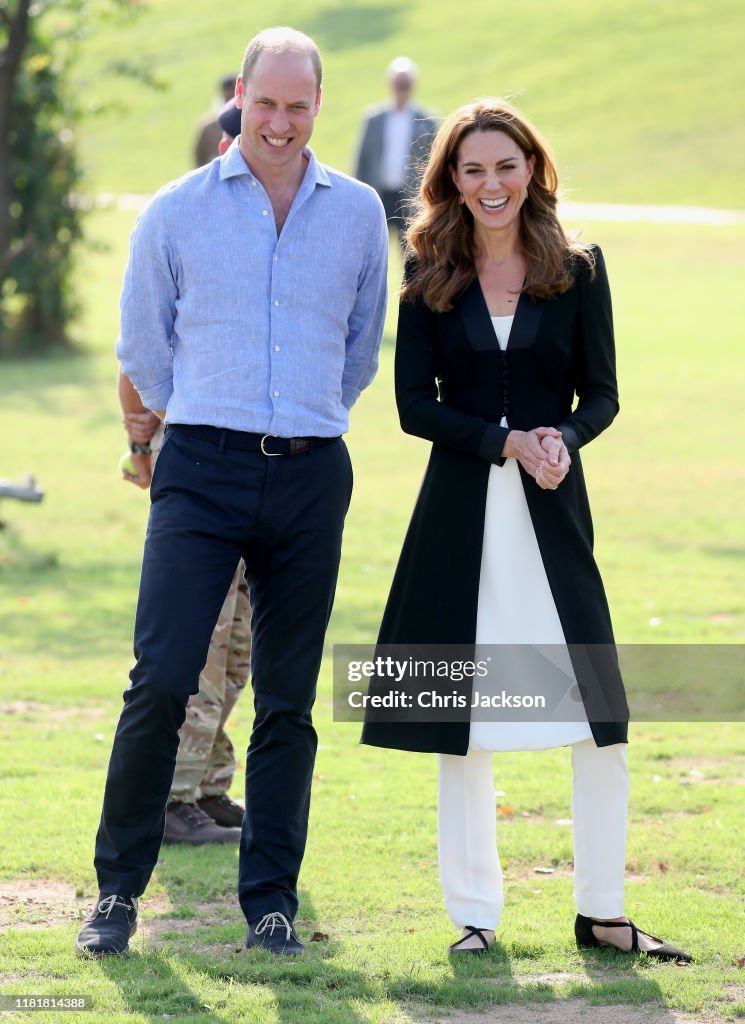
<point>267,444</point>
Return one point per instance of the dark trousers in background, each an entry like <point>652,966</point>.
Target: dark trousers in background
<point>395,203</point>
<point>211,504</point>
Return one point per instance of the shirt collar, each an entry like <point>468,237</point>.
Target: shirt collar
<point>232,165</point>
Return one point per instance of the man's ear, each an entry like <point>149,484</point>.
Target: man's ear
<point>318,101</point>
<point>239,92</point>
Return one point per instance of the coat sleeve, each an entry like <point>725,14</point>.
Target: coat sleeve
<point>419,409</point>
<point>595,361</point>
<point>364,157</point>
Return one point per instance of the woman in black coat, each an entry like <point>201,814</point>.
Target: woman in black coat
<point>503,321</point>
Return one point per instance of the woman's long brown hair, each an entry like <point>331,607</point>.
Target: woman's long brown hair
<point>440,234</point>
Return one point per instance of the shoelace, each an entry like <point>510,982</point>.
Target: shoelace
<point>108,903</point>
<point>275,920</point>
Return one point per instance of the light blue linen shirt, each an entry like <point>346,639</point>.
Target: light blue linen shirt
<point>225,323</point>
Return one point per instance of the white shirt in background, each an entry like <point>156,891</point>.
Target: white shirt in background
<point>396,145</point>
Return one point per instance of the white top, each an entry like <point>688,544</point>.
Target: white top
<point>396,146</point>
<point>517,620</point>
<point>502,327</point>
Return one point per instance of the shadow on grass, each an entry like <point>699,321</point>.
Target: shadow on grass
<point>62,607</point>
<point>19,558</point>
<point>319,986</point>
<point>296,989</point>
<point>210,972</point>
<point>633,985</point>
<point>36,379</point>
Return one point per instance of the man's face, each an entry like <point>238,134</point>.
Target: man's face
<point>279,104</point>
<point>402,87</point>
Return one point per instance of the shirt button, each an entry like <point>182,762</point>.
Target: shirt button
<point>276,258</point>
<point>265,212</point>
<point>276,302</point>
<point>253,184</point>
<point>276,348</point>
<point>276,394</point>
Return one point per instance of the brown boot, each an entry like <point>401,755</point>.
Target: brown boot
<point>187,823</point>
<point>223,810</point>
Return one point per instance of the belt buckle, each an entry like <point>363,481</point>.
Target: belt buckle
<point>269,455</point>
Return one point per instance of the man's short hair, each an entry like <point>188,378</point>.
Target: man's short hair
<point>403,66</point>
<point>281,40</point>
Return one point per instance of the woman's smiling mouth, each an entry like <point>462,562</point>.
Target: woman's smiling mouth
<point>495,204</point>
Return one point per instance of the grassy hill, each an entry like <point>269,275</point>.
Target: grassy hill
<point>642,101</point>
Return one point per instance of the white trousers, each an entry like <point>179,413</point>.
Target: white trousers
<point>470,869</point>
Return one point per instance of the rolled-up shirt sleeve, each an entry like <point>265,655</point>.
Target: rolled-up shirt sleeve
<point>367,319</point>
<point>148,308</point>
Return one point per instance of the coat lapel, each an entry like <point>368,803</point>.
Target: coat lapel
<point>475,317</point>
<point>526,322</point>
<point>477,322</point>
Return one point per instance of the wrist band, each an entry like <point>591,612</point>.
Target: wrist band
<point>140,449</point>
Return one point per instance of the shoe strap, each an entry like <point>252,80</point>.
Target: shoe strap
<point>636,932</point>
<point>471,931</point>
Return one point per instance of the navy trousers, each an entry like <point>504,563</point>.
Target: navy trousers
<point>212,504</point>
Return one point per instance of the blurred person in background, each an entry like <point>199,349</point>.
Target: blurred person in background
<point>394,144</point>
<point>209,132</point>
<point>229,119</point>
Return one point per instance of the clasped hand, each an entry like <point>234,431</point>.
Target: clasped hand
<point>542,453</point>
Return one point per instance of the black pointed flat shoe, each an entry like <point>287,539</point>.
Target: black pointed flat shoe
<point>587,939</point>
<point>457,948</point>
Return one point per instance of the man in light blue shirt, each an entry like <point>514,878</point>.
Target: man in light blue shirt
<point>251,317</point>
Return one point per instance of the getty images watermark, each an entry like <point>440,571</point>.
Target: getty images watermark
<point>539,682</point>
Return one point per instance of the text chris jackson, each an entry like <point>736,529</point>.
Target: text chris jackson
<point>432,699</point>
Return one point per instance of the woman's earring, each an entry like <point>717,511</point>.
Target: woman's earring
<point>461,200</point>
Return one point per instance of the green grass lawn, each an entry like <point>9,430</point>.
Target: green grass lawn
<point>642,101</point>
<point>667,488</point>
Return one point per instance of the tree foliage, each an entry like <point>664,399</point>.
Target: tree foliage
<point>40,178</point>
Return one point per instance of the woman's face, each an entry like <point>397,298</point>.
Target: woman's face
<point>492,173</point>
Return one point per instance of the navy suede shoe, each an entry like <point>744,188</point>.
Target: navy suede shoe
<point>109,927</point>
<point>276,933</point>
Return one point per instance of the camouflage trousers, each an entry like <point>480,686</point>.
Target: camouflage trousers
<point>205,763</point>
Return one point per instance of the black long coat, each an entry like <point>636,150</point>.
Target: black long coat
<point>453,385</point>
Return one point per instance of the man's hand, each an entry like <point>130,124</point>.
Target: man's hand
<point>143,465</point>
<point>141,425</point>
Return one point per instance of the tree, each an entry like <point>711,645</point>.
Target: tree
<point>40,211</point>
